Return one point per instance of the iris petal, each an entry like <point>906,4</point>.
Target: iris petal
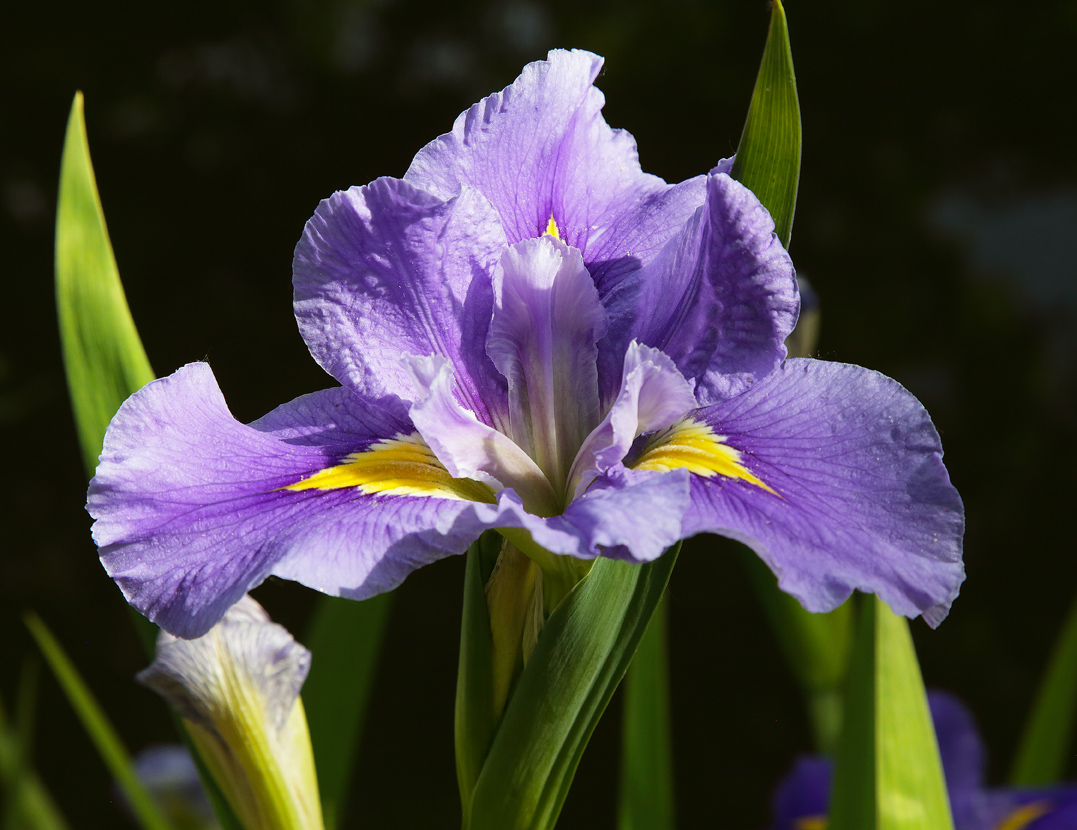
<point>400,466</point>
<point>695,447</point>
<point>540,148</point>
<point>653,396</point>
<point>192,507</point>
<point>865,500</point>
<point>720,298</point>
<point>386,270</point>
<point>546,322</point>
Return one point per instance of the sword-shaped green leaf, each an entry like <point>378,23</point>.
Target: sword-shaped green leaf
<point>345,639</point>
<point>646,788</point>
<point>582,653</point>
<point>103,354</point>
<point>888,774</point>
<point>476,716</point>
<point>97,726</point>
<point>768,163</point>
<point>1044,749</point>
<point>27,804</point>
<point>768,155</point>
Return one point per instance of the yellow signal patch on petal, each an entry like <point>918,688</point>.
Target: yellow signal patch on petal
<point>811,823</point>
<point>400,466</point>
<point>551,228</point>
<point>1025,815</point>
<point>698,449</point>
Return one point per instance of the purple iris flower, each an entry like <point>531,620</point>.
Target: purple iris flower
<point>532,335</point>
<point>802,799</point>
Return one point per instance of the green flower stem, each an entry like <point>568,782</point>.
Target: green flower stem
<point>646,790</point>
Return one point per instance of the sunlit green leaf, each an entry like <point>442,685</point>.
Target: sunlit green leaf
<point>1044,749</point>
<point>888,775</point>
<point>581,655</point>
<point>646,787</point>
<point>768,163</point>
<point>27,805</point>
<point>103,356</point>
<point>768,155</point>
<point>97,726</point>
<point>345,639</point>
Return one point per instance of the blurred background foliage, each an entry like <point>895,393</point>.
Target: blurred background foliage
<point>937,220</point>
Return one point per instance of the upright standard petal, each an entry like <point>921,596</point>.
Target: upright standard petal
<point>237,689</point>
<point>193,508</point>
<point>833,475</point>
<point>547,320</point>
<point>542,153</point>
<point>388,270</point>
<point>721,298</point>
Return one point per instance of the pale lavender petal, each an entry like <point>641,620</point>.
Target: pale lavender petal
<point>653,396</point>
<point>547,319</point>
<point>617,250</point>
<point>724,166</point>
<point>719,299</point>
<point>237,689</point>
<point>631,515</point>
<point>192,675</point>
<point>626,514</point>
<point>467,447</point>
<point>540,149</point>
<point>862,501</point>
<point>387,270</point>
<point>190,513</point>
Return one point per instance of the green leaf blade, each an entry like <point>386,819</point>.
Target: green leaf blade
<point>345,638</point>
<point>911,787</point>
<point>768,155</point>
<point>476,715</point>
<point>103,355</point>
<point>768,163</point>
<point>27,804</point>
<point>98,727</point>
<point>646,791</point>
<point>889,774</point>
<point>852,801</point>
<point>1041,758</point>
<point>582,653</point>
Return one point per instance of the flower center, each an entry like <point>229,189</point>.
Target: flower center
<point>547,320</point>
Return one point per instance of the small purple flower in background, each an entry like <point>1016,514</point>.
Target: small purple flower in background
<point>532,335</point>
<point>802,799</point>
<point>170,775</point>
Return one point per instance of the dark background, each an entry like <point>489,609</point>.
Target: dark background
<point>937,220</point>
